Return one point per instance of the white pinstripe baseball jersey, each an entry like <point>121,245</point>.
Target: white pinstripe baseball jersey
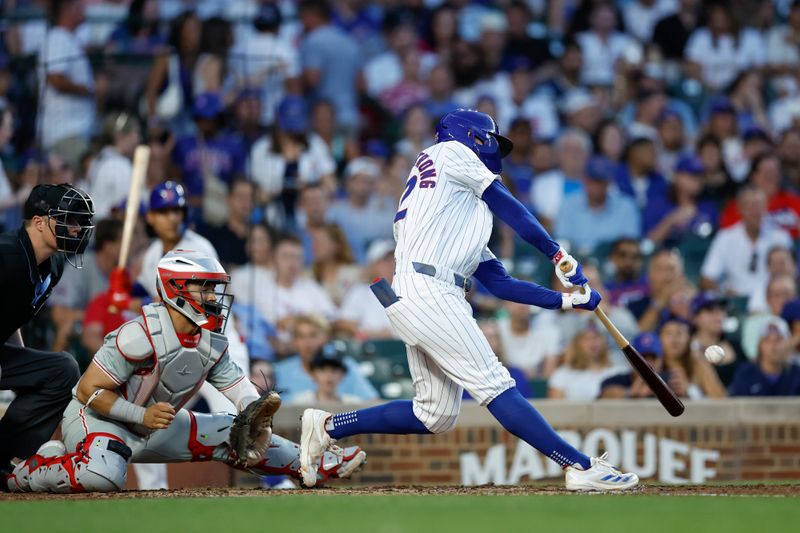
<point>441,219</point>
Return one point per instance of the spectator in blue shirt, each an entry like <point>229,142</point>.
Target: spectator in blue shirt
<point>772,374</point>
<point>680,211</point>
<point>211,152</point>
<point>637,176</point>
<point>596,215</point>
<point>293,375</point>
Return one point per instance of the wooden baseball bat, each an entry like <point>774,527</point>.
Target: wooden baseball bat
<point>141,158</point>
<point>665,395</point>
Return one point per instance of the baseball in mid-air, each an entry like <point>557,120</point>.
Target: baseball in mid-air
<point>714,353</point>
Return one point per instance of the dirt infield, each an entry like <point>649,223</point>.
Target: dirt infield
<point>774,490</point>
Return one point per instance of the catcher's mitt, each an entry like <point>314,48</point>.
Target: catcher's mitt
<point>251,430</point>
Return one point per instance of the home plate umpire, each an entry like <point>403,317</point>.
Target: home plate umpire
<point>57,228</point>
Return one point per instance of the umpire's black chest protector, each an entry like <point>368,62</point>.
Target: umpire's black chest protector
<point>24,286</point>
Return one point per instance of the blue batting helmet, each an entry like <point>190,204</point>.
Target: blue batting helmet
<point>478,132</point>
<point>167,195</point>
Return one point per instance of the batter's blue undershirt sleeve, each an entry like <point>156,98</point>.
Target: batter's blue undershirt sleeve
<point>494,277</point>
<point>512,212</point>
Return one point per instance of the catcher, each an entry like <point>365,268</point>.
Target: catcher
<point>127,405</point>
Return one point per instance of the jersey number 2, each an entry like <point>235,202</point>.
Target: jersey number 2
<point>410,184</point>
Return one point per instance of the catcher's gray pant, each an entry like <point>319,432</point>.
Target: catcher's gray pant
<point>447,352</point>
<point>43,382</point>
<point>101,450</point>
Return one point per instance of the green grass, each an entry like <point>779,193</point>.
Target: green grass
<point>387,514</point>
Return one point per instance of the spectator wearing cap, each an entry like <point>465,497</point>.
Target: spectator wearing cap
<point>709,313</point>
<point>690,374</point>
<point>603,46</point>
<point>781,289</point>
<point>783,205</point>
<point>597,215</point>
<point>586,366</point>
<point>581,110</point>
<point>71,297</point>
<point>266,63</point>
<point>736,262</point>
<point>334,267</point>
<point>289,158</point>
<point>361,316</point>
<point>67,86</point>
<point>230,238</point>
<point>310,334</point>
<point>681,210</point>
<point>638,176</point>
<point>718,51</point>
<point>757,142</point>
<point>109,175</point>
<point>630,384</point>
<point>671,33</point>
<point>627,281</point>
<point>327,370</point>
<point>773,373</point>
<point>209,161</point>
<point>572,150</point>
<point>781,262</point>
<point>330,61</point>
<point>363,215</point>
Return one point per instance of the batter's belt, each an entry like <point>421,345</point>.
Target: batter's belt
<point>443,274</point>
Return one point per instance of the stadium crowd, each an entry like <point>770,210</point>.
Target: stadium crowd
<point>658,140</point>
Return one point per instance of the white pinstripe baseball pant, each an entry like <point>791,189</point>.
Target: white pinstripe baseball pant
<point>447,352</point>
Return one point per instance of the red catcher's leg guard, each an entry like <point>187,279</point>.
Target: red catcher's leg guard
<point>200,452</point>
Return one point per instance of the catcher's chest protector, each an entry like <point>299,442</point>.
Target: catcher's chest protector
<point>177,372</point>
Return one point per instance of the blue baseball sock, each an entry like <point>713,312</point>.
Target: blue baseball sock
<point>395,417</point>
<point>522,420</point>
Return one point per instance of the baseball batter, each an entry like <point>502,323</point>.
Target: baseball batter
<point>442,228</point>
<point>127,406</point>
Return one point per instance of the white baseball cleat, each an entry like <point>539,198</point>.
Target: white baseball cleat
<point>314,441</point>
<point>602,476</point>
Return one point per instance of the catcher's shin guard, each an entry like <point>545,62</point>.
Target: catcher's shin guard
<point>283,458</point>
<point>100,464</point>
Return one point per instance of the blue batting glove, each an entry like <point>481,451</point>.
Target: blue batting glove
<point>594,300</point>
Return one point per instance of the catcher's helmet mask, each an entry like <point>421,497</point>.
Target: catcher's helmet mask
<point>478,132</point>
<point>189,282</point>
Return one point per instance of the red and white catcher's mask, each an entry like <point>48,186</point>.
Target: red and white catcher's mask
<point>205,301</point>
